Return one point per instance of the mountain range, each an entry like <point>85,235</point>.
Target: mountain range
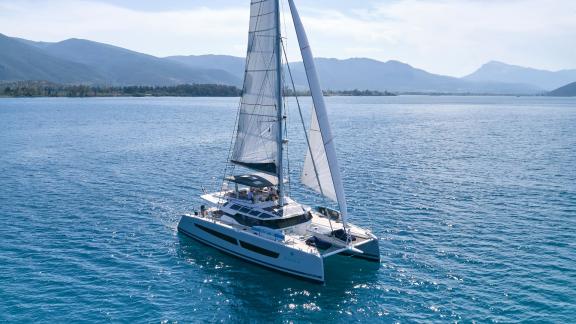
<point>501,72</point>
<point>74,61</point>
<point>83,61</point>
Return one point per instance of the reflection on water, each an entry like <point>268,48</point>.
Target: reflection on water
<point>260,289</point>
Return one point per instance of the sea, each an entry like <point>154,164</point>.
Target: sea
<point>473,200</point>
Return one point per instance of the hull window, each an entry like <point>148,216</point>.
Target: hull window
<point>218,234</point>
<point>259,250</point>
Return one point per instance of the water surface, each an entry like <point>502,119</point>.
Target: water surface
<point>473,198</point>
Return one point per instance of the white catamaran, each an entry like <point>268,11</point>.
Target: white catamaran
<point>252,217</point>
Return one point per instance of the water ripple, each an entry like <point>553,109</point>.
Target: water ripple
<point>474,200</point>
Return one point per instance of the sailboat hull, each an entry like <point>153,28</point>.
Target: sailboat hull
<point>246,245</point>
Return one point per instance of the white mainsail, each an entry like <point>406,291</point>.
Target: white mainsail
<point>321,172</point>
<point>257,139</point>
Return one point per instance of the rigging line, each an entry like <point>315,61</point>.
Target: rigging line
<point>284,23</point>
<point>283,16</point>
<point>286,111</point>
<point>303,125</point>
<point>234,135</point>
<point>280,147</point>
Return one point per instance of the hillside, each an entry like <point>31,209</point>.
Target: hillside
<point>124,67</point>
<point>501,72</point>
<point>22,61</point>
<point>231,64</point>
<point>77,61</point>
<point>365,73</point>
<point>568,90</point>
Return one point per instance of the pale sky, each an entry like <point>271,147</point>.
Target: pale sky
<point>451,37</point>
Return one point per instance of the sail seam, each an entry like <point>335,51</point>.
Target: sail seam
<point>261,15</point>
<point>262,30</point>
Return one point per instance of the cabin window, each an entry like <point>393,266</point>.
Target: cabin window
<point>236,207</point>
<point>287,222</point>
<point>245,209</point>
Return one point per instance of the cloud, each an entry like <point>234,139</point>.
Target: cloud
<point>444,36</point>
<point>455,37</point>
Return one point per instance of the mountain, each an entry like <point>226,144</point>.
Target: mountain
<point>568,90</point>
<point>121,66</point>
<point>231,64</point>
<point>501,72</point>
<point>22,61</point>
<point>87,62</point>
<point>362,73</point>
<point>84,61</point>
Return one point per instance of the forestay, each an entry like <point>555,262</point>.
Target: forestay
<point>256,143</point>
<point>321,171</point>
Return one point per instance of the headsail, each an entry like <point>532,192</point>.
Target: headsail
<point>316,172</point>
<point>321,171</point>
<point>256,145</point>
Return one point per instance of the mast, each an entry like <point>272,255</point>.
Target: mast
<point>280,141</point>
<point>321,116</point>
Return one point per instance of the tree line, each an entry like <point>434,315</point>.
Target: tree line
<point>47,89</point>
<point>355,92</point>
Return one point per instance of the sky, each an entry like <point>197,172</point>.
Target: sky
<point>450,37</point>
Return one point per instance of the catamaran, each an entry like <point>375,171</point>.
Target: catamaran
<point>251,216</point>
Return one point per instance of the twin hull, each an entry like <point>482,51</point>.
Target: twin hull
<point>248,246</point>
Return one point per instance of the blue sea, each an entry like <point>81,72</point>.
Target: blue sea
<point>473,199</point>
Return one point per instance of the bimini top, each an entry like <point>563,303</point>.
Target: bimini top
<point>255,180</point>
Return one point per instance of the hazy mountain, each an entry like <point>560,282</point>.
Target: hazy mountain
<point>231,64</point>
<point>362,73</point>
<point>33,43</point>
<point>502,72</point>
<point>22,61</point>
<point>121,66</point>
<point>568,90</point>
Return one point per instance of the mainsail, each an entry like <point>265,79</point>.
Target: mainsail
<point>257,139</point>
<point>321,172</point>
